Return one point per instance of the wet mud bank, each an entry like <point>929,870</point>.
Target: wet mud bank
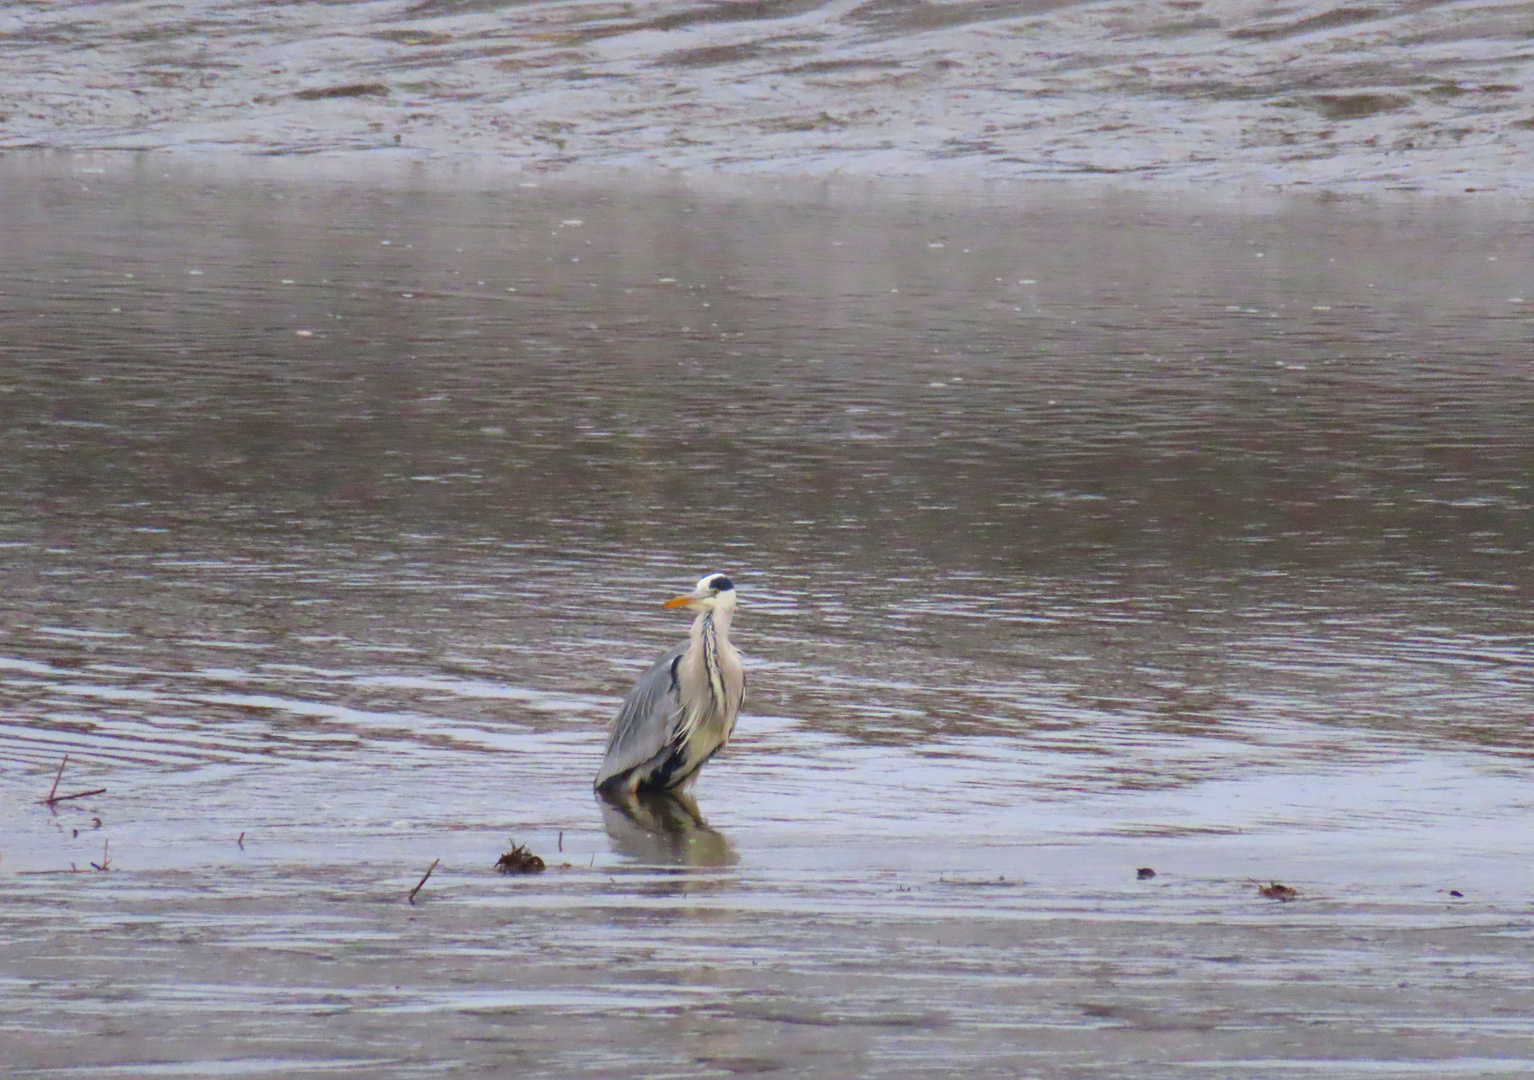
<point>1415,96</point>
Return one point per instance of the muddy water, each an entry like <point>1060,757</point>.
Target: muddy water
<point>1074,535</point>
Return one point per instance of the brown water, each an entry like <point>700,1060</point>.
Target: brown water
<point>1073,533</point>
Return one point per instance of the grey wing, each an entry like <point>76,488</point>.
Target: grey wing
<point>647,719</point>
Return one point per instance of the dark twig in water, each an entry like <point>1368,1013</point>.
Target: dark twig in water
<point>106,863</point>
<point>519,860</point>
<point>53,792</point>
<point>77,795</point>
<point>241,841</point>
<point>561,839</point>
<point>56,778</point>
<point>424,876</point>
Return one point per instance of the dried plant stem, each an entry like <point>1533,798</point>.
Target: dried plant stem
<point>424,876</point>
<point>56,778</point>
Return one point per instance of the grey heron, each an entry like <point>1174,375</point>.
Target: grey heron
<point>683,709</point>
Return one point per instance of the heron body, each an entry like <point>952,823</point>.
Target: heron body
<point>682,710</point>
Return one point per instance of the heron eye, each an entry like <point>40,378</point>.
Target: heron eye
<point>721,583</point>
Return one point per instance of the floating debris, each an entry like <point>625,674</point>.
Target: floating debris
<point>519,860</point>
<point>56,778</point>
<point>1456,893</point>
<point>55,798</point>
<point>424,876</point>
<point>1275,891</point>
<point>1145,873</point>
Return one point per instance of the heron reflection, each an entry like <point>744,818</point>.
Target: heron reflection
<point>663,828</point>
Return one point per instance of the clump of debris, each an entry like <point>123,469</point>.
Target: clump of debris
<point>519,860</point>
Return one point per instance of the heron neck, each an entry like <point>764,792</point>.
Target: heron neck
<point>720,618</point>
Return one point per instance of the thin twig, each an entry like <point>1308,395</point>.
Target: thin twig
<point>424,876</point>
<point>106,863</point>
<point>561,839</point>
<point>50,800</point>
<point>241,841</point>
<point>56,778</point>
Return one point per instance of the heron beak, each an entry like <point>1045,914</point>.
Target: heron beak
<point>686,601</point>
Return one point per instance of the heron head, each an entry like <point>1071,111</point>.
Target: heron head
<point>713,591</point>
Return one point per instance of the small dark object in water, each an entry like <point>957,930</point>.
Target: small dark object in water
<point>1456,892</point>
<point>53,793</point>
<point>424,876</point>
<point>56,778</point>
<point>519,860</point>
<point>1275,891</point>
<point>1145,873</point>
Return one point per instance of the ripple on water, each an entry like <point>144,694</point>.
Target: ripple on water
<point>1076,545</point>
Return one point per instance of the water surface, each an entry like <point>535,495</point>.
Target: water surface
<point>1074,534</point>
<point>1435,96</point>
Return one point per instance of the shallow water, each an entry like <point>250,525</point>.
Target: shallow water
<point>1074,534</point>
